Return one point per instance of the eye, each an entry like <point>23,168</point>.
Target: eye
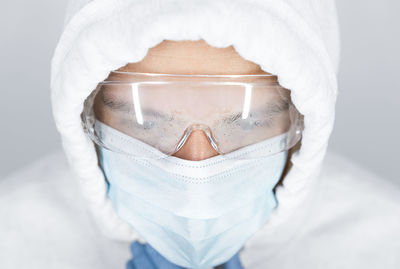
<point>147,125</point>
<point>253,122</point>
<point>249,124</point>
<point>133,125</point>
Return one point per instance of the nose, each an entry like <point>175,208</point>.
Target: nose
<point>196,148</point>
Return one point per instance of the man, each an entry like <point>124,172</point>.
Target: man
<point>341,217</point>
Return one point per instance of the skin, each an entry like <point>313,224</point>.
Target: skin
<point>193,58</point>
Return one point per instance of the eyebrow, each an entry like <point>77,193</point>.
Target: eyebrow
<point>267,109</point>
<point>124,106</point>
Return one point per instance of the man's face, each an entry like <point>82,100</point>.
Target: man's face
<point>193,57</point>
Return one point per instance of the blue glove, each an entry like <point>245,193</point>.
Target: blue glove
<point>146,257</point>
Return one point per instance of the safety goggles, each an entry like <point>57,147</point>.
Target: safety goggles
<point>161,111</point>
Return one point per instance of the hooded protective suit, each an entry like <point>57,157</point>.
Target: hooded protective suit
<point>329,215</point>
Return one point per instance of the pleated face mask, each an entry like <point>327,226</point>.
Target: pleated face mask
<point>197,214</point>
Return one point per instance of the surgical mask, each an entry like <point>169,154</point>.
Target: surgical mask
<point>197,214</point>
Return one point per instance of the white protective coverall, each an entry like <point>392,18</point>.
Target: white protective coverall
<point>330,214</point>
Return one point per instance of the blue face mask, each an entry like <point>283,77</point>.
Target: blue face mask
<point>197,214</point>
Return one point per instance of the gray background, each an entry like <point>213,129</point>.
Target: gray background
<point>368,118</point>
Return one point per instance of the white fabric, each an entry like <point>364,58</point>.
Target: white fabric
<point>296,40</point>
<point>344,218</point>
<point>352,222</point>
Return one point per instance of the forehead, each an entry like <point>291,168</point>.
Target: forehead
<point>193,57</point>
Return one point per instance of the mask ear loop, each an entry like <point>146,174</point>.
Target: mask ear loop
<point>201,127</point>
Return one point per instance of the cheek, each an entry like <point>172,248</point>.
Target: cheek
<point>281,124</point>
<point>102,114</point>
<point>108,117</point>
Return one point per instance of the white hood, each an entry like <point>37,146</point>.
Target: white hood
<point>297,40</point>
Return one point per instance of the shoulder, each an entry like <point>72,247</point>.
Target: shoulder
<point>343,177</point>
<point>39,192</point>
<point>355,216</point>
<point>36,178</point>
<point>358,196</point>
<point>44,220</point>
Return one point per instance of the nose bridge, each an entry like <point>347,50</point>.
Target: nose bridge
<point>196,144</point>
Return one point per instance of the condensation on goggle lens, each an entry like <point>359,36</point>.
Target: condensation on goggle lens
<point>164,131</point>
